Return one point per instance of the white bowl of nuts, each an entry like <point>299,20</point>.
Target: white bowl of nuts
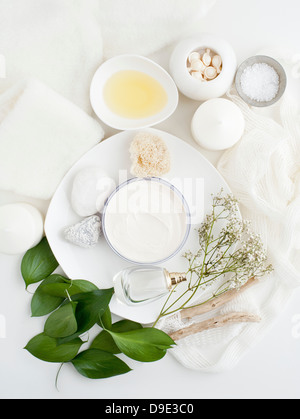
<point>203,67</point>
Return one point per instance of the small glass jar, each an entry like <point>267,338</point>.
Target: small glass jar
<point>144,284</point>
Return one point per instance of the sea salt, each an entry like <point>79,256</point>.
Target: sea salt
<point>260,82</point>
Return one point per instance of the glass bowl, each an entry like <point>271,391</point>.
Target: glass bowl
<point>111,221</point>
<point>134,63</point>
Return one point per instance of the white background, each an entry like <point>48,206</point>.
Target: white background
<point>270,369</point>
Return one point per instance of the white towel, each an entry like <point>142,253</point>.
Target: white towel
<point>145,26</point>
<point>57,41</point>
<point>42,135</point>
<point>60,41</point>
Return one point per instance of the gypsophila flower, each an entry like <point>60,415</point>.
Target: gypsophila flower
<point>227,260</point>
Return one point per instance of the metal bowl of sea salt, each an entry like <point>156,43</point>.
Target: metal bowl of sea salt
<point>261,81</point>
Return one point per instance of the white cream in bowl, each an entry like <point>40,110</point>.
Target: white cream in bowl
<point>146,221</point>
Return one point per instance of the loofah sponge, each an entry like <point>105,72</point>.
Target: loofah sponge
<point>149,155</point>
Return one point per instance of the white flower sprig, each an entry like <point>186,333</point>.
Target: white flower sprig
<point>233,256</point>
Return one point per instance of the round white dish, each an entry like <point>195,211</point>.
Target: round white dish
<point>196,89</point>
<point>136,63</point>
<point>194,176</point>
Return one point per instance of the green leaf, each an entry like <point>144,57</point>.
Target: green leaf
<point>43,303</point>
<point>91,306</point>
<point>46,348</point>
<point>104,340</point>
<point>38,263</point>
<point>145,345</point>
<point>62,322</point>
<point>73,287</point>
<point>106,320</point>
<point>96,364</point>
<point>52,292</point>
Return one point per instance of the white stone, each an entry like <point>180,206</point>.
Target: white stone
<point>91,188</point>
<point>86,233</point>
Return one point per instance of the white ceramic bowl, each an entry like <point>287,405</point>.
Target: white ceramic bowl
<point>196,89</point>
<point>136,63</point>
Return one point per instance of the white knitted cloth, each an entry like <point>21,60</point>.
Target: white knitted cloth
<point>263,170</point>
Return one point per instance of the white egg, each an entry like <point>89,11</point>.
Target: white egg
<point>21,228</point>
<point>91,188</point>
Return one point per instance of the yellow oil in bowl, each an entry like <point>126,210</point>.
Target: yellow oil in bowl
<point>134,94</point>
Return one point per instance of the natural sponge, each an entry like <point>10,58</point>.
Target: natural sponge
<point>149,155</point>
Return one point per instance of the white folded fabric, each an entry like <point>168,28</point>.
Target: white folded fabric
<point>42,135</point>
<point>57,41</point>
<point>60,42</point>
<point>145,26</point>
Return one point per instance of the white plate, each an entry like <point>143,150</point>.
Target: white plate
<point>137,63</point>
<point>191,173</point>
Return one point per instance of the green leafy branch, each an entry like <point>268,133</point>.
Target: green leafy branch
<point>73,307</point>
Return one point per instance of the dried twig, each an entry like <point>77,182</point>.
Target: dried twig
<point>214,323</point>
<point>217,302</point>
